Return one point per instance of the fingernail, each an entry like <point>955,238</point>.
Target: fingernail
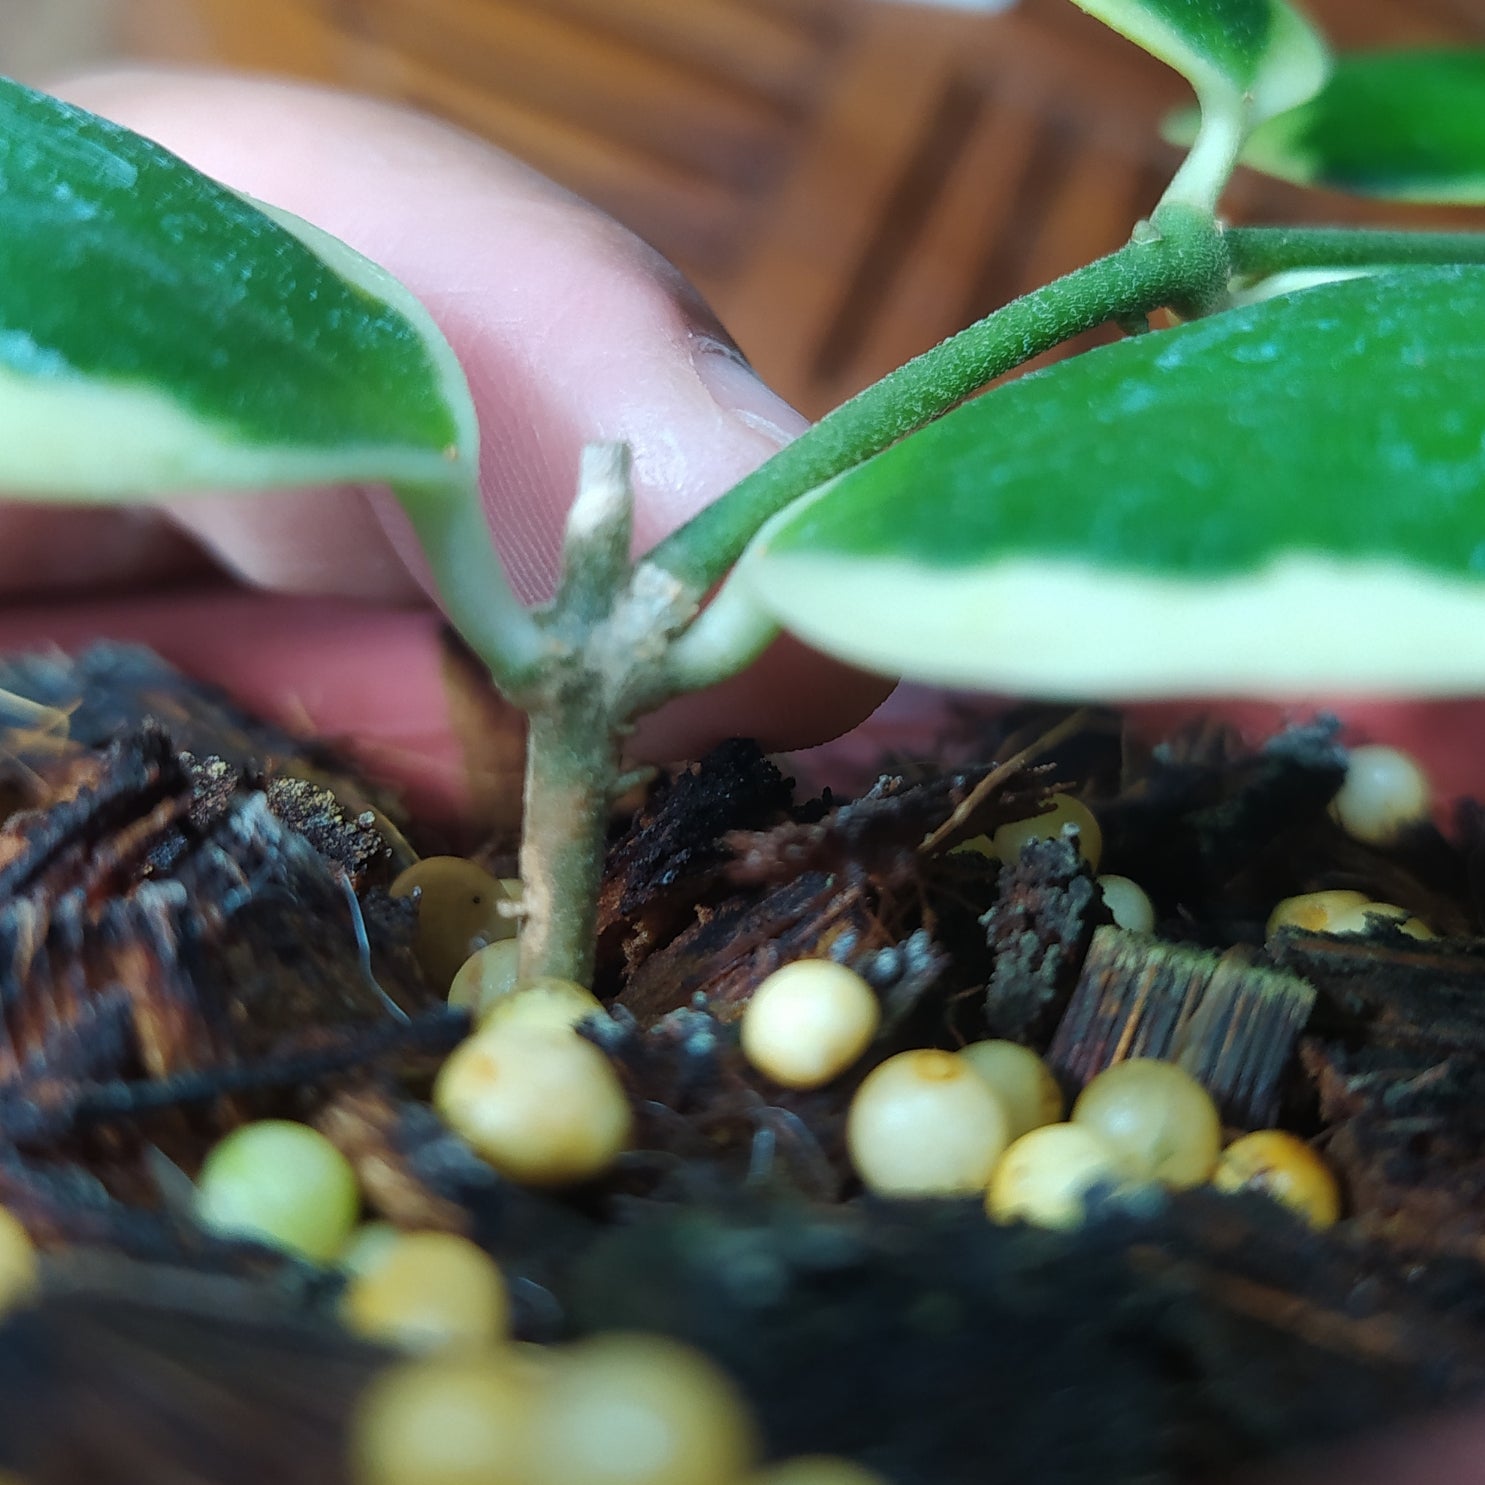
<point>737,389</point>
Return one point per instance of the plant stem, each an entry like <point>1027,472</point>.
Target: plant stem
<point>1257,252</point>
<point>452,530</point>
<point>724,638</point>
<point>595,550</point>
<point>1181,263</point>
<point>572,760</point>
<point>573,740</point>
<point>1208,166</point>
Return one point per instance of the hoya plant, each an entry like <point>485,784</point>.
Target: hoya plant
<point>1280,492</point>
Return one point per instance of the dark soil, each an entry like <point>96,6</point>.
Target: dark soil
<point>195,929</point>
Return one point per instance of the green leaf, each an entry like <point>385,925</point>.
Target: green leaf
<point>1404,125</point>
<point>1282,497</point>
<point>159,332</point>
<point>1254,57</point>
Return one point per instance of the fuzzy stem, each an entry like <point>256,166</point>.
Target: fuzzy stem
<point>572,762</point>
<point>572,742</point>
<point>1257,252</point>
<point>600,526</point>
<point>1181,263</point>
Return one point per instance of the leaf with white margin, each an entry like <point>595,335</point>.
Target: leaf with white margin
<point>159,332</point>
<point>1405,126</point>
<point>1253,58</point>
<point>1279,498</point>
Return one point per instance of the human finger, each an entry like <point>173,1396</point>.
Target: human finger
<point>570,329</point>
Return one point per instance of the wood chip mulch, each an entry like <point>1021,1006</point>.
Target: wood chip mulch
<point>195,930</point>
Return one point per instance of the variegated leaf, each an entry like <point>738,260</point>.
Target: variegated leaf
<point>159,332</point>
<point>1272,499</point>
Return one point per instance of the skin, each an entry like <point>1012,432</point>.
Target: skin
<point>314,607</point>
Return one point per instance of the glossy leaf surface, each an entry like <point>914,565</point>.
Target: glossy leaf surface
<point>1280,497</point>
<point>158,331</point>
<point>1259,55</point>
<point>1406,125</point>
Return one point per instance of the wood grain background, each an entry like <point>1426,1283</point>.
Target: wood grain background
<point>848,180</point>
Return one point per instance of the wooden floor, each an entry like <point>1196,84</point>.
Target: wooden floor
<point>847,180</point>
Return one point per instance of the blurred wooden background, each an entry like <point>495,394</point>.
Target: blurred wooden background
<point>847,180</point>
<point>38,36</point>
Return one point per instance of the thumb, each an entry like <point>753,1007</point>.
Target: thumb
<point>570,331</point>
